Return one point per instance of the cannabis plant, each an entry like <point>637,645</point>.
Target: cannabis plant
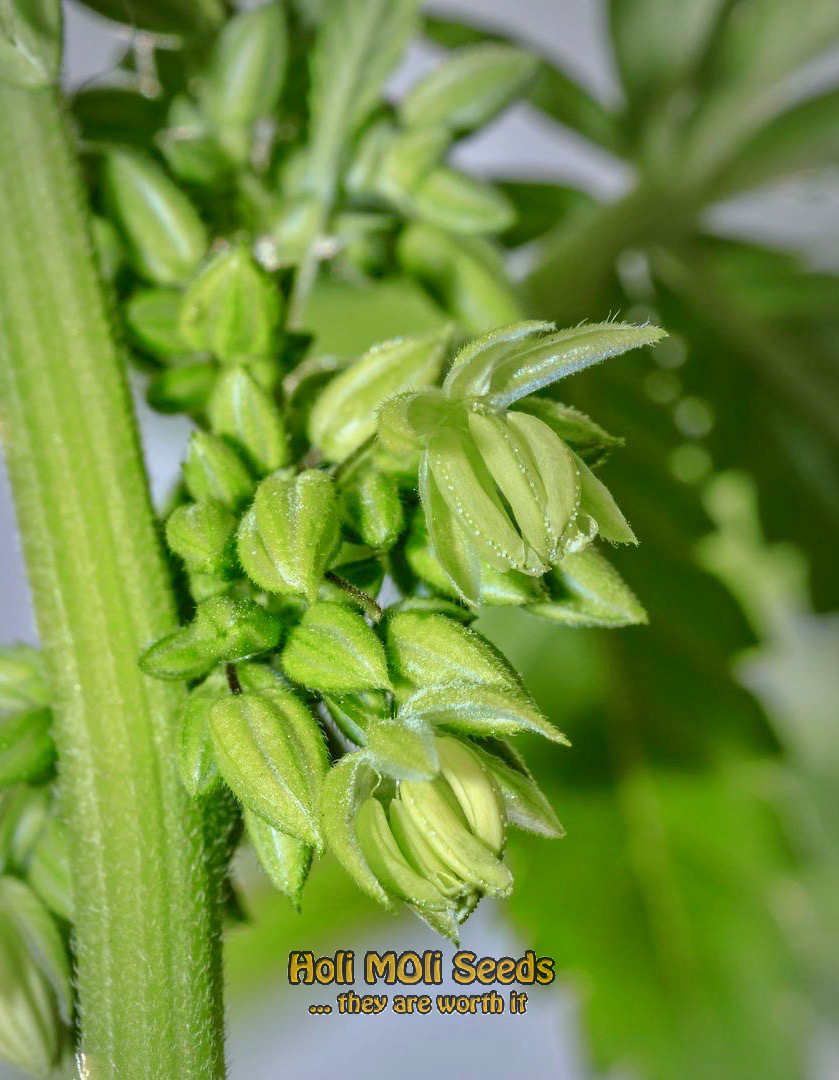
<point>301,662</point>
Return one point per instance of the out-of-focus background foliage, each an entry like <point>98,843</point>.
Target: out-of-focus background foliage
<point>677,162</point>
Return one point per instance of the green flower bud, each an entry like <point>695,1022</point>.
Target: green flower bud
<point>586,590</point>
<point>241,411</point>
<point>428,649</point>
<point>151,317</point>
<point>387,862</point>
<point>372,509</point>
<point>185,388</point>
<point>344,415</point>
<point>271,753</point>
<point>223,629</point>
<point>405,162</point>
<point>231,308</point>
<point>34,982</point>
<point>30,43</point>
<point>285,859</point>
<point>203,534</point>
<point>334,650</point>
<point>196,763</point>
<point>190,151</point>
<point>24,682</point>
<point>458,203</point>
<point>213,471</point>
<point>470,89</point>
<point>166,236</point>
<point>245,73</point>
<point>27,752</point>
<point>437,814</point>
<point>289,536</point>
<point>48,869</point>
<point>107,246</point>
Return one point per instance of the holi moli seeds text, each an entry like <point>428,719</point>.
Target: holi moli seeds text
<point>413,969</point>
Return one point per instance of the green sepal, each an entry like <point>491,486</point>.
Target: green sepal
<point>333,650</point>
<point>344,415</point>
<point>270,752</point>
<point>244,76</point>
<point>448,543</point>
<point>151,318</point>
<point>348,783</point>
<point>24,682</point>
<point>560,354</point>
<point>214,471</point>
<point>469,89</point>
<point>27,752</point>
<point>231,308</point>
<point>285,859</point>
<point>166,237</point>
<point>596,500</point>
<point>428,649</point>
<point>586,438</point>
<point>289,536</point>
<point>203,535</point>
<point>241,411</point>
<point>472,367</point>
<point>401,748</point>
<point>353,713</point>
<point>586,590</point>
<point>390,867</point>
<point>371,508</point>
<point>478,710</point>
<point>30,43</point>
<point>525,805</point>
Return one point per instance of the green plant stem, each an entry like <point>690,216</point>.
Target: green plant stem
<point>146,926</point>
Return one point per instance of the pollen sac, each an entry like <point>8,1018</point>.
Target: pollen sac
<point>270,752</point>
<point>203,534</point>
<point>290,534</point>
<point>231,309</point>
<point>213,470</point>
<point>165,235</point>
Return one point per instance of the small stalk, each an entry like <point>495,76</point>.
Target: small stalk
<point>145,927</point>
